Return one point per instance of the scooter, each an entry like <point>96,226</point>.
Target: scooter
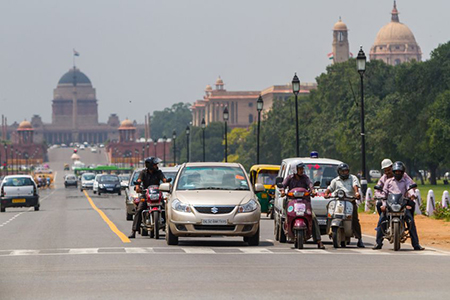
<point>394,228</point>
<point>153,216</point>
<point>340,212</point>
<point>297,224</point>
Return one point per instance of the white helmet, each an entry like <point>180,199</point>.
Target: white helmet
<point>386,163</point>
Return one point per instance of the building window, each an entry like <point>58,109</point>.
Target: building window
<point>397,47</point>
<point>250,104</point>
<point>397,62</point>
<point>250,118</point>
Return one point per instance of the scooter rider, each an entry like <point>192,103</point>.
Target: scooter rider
<point>300,179</point>
<point>151,175</point>
<point>399,185</point>
<point>350,185</point>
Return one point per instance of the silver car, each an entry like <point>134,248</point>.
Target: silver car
<point>212,199</point>
<point>131,195</point>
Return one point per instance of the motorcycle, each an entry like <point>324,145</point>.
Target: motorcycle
<point>394,228</point>
<point>153,218</point>
<point>297,224</point>
<point>339,219</point>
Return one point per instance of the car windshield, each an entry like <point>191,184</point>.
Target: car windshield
<point>317,172</point>
<point>124,177</point>
<point>71,178</point>
<point>109,178</point>
<point>170,175</point>
<point>267,177</point>
<point>88,176</point>
<point>212,178</point>
<point>21,181</point>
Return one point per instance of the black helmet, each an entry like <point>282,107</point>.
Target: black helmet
<point>151,163</point>
<point>300,165</point>
<point>398,166</point>
<point>342,167</point>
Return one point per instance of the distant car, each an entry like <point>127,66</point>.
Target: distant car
<point>94,150</point>
<point>82,147</point>
<point>87,181</point>
<point>95,185</point>
<point>170,172</point>
<point>131,195</point>
<point>63,146</point>
<point>124,179</point>
<point>102,146</point>
<point>71,180</point>
<point>19,191</point>
<point>375,174</point>
<point>109,184</point>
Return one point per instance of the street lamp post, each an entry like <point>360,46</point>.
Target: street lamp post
<point>361,66</point>
<point>6,158</point>
<point>12,158</point>
<point>164,150</point>
<point>259,108</point>
<point>26,162</point>
<point>143,154</point>
<point>148,149</point>
<point>136,159</point>
<point>174,138</point>
<point>188,132</point>
<point>203,138</point>
<point>296,90</point>
<point>155,144</point>
<point>225,118</point>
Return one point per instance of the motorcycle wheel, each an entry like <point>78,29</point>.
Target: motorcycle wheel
<point>336,237</point>
<point>156,226</point>
<point>272,214</point>
<point>299,239</point>
<point>144,232</point>
<point>282,235</point>
<point>396,236</point>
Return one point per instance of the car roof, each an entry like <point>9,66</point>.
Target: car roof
<point>17,176</point>
<point>309,160</point>
<point>212,164</point>
<point>170,169</point>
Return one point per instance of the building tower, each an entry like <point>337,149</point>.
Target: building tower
<point>341,50</point>
<point>25,133</point>
<point>395,43</point>
<point>127,132</point>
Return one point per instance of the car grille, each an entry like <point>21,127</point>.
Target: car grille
<point>219,209</point>
<point>215,227</point>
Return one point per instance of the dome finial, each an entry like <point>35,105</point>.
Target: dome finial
<point>395,13</point>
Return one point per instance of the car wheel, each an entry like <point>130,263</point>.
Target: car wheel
<point>95,192</point>
<point>254,240</point>
<point>129,217</point>
<point>36,208</point>
<point>99,193</point>
<point>81,190</point>
<point>171,239</point>
<point>2,209</point>
<point>119,193</point>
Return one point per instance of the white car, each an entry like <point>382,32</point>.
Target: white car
<point>19,191</point>
<point>96,181</point>
<point>212,199</point>
<point>375,174</point>
<point>94,150</point>
<point>82,147</point>
<point>87,181</point>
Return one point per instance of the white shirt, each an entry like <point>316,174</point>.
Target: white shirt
<point>345,185</point>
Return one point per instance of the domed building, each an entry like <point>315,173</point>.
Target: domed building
<point>395,43</point>
<point>341,50</point>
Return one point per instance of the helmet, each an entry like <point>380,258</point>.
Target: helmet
<point>341,168</point>
<point>300,165</point>
<point>386,163</point>
<point>151,163</point>
<point>398,166</point>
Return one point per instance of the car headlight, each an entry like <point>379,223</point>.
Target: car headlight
<point>180,206</point>
<point>101,185</point>
<point>248,207</point>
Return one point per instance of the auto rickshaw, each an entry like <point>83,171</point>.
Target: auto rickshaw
<point>66,167</point>
<point>266,175</point>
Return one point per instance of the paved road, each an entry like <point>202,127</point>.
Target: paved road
<point>67,250</point>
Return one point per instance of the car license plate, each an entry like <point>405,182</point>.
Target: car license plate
<point>19,201</point>
<point>214,222</point>
<point>109,189</point>
<point>322,221</point>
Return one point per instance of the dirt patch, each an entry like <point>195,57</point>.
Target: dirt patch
<point>432,233</point>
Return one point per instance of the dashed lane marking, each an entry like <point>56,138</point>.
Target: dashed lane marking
<point>213,251</point>
<point>111,225</point>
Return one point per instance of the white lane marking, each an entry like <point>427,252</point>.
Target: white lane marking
<point>255,250</point>
<point>84,251</point>
<point>139,250</point>
<point>365,252</point>
<point>272,241</point>
<point>29,209</point>
<point>199,250</point>
<point>25,252</point>
<point>314,251</point>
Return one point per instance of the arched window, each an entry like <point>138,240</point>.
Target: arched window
<point>397,62</point>
<point>250,118</point>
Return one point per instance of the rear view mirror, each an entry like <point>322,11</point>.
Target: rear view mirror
<point>169,180</point>
<point>317,184</point>
<point>136,183</point>
<point>412,186</point>
<point>165,187</point>
<point>259,187</point>
<point>378,188</point>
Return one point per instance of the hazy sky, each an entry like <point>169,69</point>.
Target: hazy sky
<point>156,53</point>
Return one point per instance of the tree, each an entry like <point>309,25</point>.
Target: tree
<point>176,118</point>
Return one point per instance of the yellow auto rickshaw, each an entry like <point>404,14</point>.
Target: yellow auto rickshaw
<point>266,175</point>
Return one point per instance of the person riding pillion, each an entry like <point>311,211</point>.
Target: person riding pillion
<point>350,185</point>
<point>399,184</point>
<point>300,180</point>
<point>149,176</point>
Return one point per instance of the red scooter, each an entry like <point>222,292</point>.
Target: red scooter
<point>298,222</point>
<point>153,216</point>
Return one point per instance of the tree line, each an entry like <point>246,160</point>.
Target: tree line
<point>407,113</point>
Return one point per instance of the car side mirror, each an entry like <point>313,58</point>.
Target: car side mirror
<point>259,187</point>
<point>412,186</point>
<point>317,184</point>
<point>165,187</point>
<point>378,188</point>
<point>135,183</point>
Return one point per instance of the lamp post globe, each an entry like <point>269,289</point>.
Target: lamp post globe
<point>361,61</point>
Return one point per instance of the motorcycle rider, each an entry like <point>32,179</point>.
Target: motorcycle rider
<point>350,185</point>
<point>151,175</point>
<point>399,185</point>
<point>300,180</point>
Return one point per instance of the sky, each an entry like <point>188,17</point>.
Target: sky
<point>145,55</point>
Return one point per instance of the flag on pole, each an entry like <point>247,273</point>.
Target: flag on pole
<point>75,53</point>
<point>331,55</point>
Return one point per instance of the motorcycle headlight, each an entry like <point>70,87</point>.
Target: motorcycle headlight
<point>396,207</point>
<point>340,194</point>
<point>180,206</point>
<point>248,207</point>
<point>101,185</point>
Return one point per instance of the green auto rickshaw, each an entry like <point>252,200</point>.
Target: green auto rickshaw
<point>266,175</point>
